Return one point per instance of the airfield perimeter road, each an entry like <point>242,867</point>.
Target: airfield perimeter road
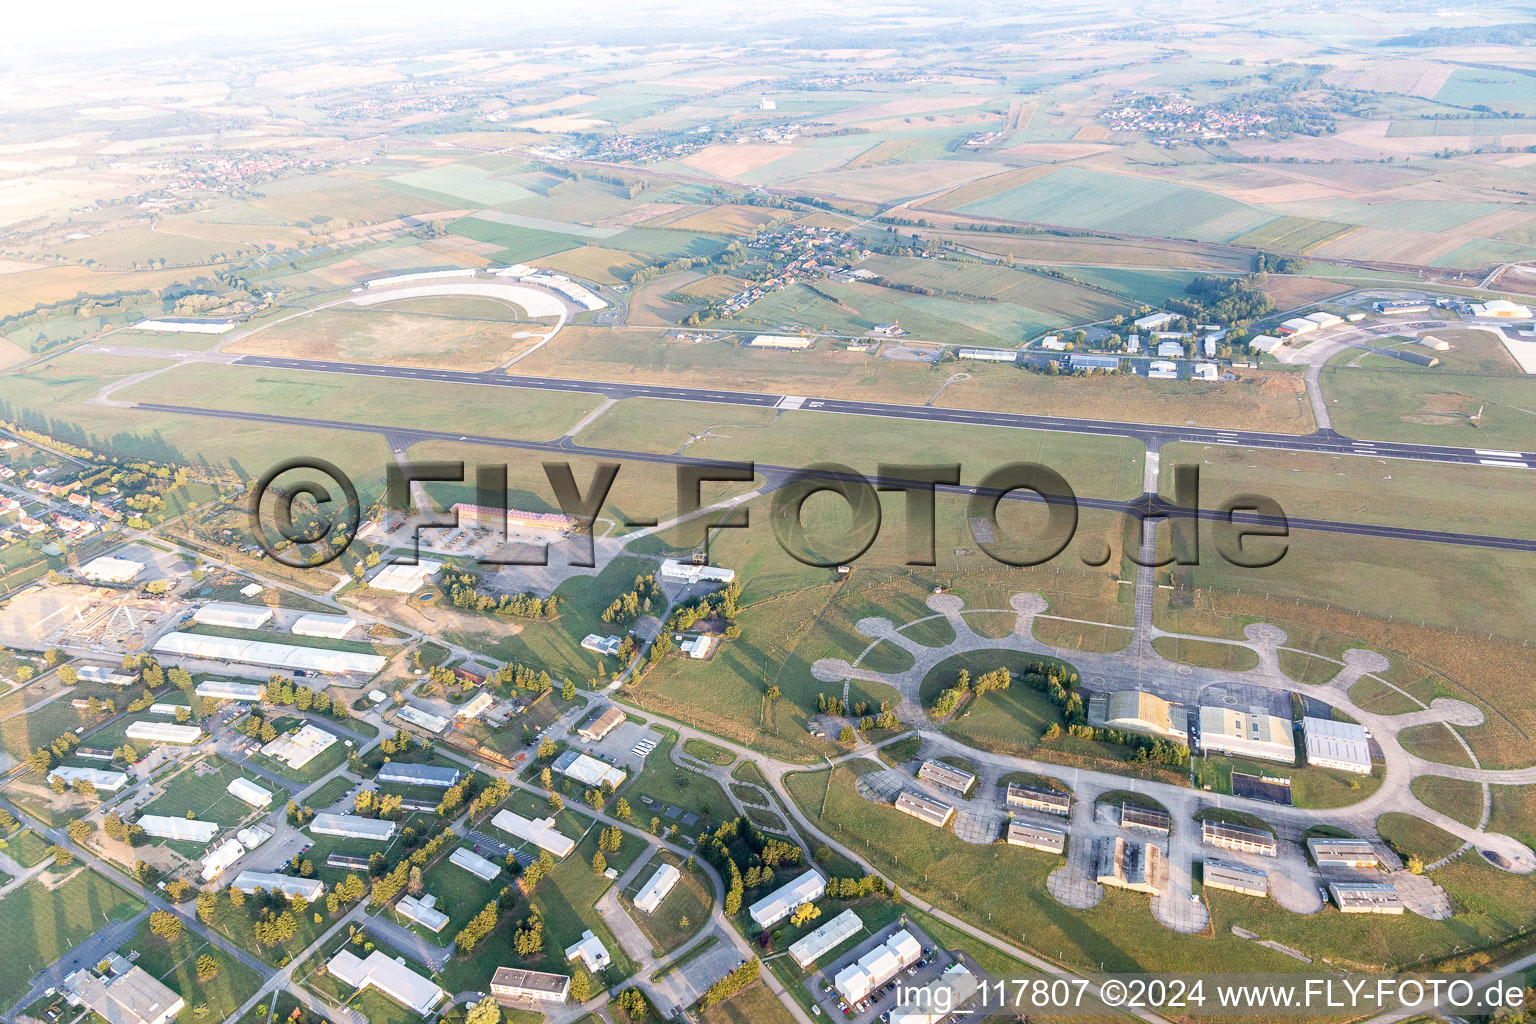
<point>1154,435</point>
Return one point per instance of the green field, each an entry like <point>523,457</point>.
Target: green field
<point>45,923</point>
<point>207,796</point>
<point>681,914</point>
<point>1202,653</point>
<point>175,964</point>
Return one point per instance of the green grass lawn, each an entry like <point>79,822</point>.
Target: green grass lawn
<point>681,914</point>
<point>666,783</point>
<point>708,752</point>
<point>175,964</point>
<point>1434,742</point>
<point>45,923</point>
<point>1460,799</point>
<point>1310,786</point>
<point>27,847</point>
<point>207,795</point>
<point>1203,654</point>
<point>376,1007</point>
<point>1307,668</point>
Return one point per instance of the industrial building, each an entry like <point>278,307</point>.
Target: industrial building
<point>1251,733</point>
<point>163,732</point>
<point>248,791</point>
<point>932,811</point>
<point>1501,309</point>
<point>988,355</point>
<point>269,655</point>
<point>309,889</point>
<point>297,749</point>
<point>327,627</point>
<point>788,341</point>
<point>234,616</point>
<point>1266,343</point>
<point>104,781</point>
<point>825,939</point>
<point>423,910</point>
<point>941,997</point>
<point>390,976</point>
<point>405,579</point>
<point>475,864</point>
<point>540,833</point>
<point>1091,362</point>
<point>1126,864</point>
<point>602,725</point>
<point>946,776</point>
<point>1297,325</point>
<point>1340,745</point>
<point>1145,819</point>
<point>226,689</point>
<point>1170,349</point>
<point>1154,321</point>
<point>222,858</point>
<point>405,774</point>
<point>421,718</point>
<point>478,705</point>
<point>1399,308</point>
<point>1048,801</point>
<point>1161,369</point>
<point>1238,838</point>
<point>103,674</point>
<point>674,571</point>
<point>588,770</point>
<point>591,951</point>
<point>779,904</point>
<point>108,569</point>
<point>1366,897</point>
<point>1036,837</point>
<point>189,830</point>
<point>352,826</point>
<point>878,966</point>
<point>1343,853</point>
<point>502,520</point>
<point>654,891</point>
<point>513,985</point>
<point>1324,320</point>
<point>1205,371</point>
<point>1234,877</point>
<point>606,645</point>
<point>1140,712</point>
<point>133,997</point>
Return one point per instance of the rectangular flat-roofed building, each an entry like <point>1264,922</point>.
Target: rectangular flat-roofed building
<point>1251,733</point>
<point>789,341</point>
<point>327,627</point>
<point>225,689</point>
<point>269,655</point>
<point>590,950</point>
<point>423,910</point>
<point>825,939</point>
<point>133,997</point>
<point>512,985</point>
<point>1366,898</point>
<point>878,966</point>
<point>107,569</point>
<point>540,833</point>
<point>404,579</point>
<point>1126,864</point>
<point>1036,837</point>
<point>103,674</point>
<point>674,571</point>
<point>248,791</point>
<point>289,885</point>
<point>1343,853</point>
<point>104,781</point>
<point>476,706</point>
<point>988,355</point>
<point>404,774</point>
<point>1048,801</point>
<point>299,748</point>
<point>163,732</point>
<point>941,997</point>
<point>1140,712</point>
<point>932,811</point>
<point>190,830</point>
<point>602,725</point>
<point>389,975</point>
<point>475,864</point>
<point>422,719</point>
<point>352,826</point>
<point>221,858</point>
<point>1145,819</point>
<point>347,861</point>
<point>1240,838</point>
<point>237,616</point>
<point>1234,877</point>
<point>1398,308</point>
<point>946,776</point>
<point>1343,746</point>
<point>589,771</point>
<point>779,904</point>
<point>655,890</point>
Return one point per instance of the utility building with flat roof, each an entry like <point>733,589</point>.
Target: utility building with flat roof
<point>328,627</point>
<point>299,748</point>
<point>423,910</point>
<point>188,830</point>
<point>825,939</point>
<point>1235,877</point>
<point>237,616</point>
<point>540,833</point>
<point>422,718</point>
<point>1126,864</point>
<point>1343,853</point>
<point>225,689</point>
<point>1048,801</point>
<point>654,891</point>
<point>1240,838</point>
<point>587,770</point>
<point>269,655</point>
<point>404,774</point>
<point>1251,733</point>
<point>475,864</point>
<point>1340,745</point>
<point>248,791</point>
<point>932,811</point>
<point>946,776</point>
<point>1036,837</point>
<point>1366,897</point>
<point>878,966</point>
<point>104,781</point>
<point>514,985</point>
<point>390,976</point>
<point>133,997</point>
<point>779,904</point>
<point>267,881</point>
<point>1145,819</point>
<point>107,569</point>
<point>352,826</point>
<point>163,732</point>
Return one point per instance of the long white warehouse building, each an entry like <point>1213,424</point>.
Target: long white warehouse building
<point>238,616</point>
<point>540,833</point>
<point>260,652</point>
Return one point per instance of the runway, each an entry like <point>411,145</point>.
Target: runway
<point>776,475</point>
<point>1154,435</point>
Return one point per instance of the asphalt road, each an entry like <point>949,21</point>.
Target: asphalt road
<point>1153,434</point>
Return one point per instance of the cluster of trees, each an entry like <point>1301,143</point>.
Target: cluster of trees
<point>386,887</point>
<point>44,758</point>
<point>1235,302</point>
<point>534,873</point>
<point>964,686</point>
<point>1144,749</point>
<point>633,1002</point>
<point>522,677</point>
<point>528,940</point>
<point>462,589</point>
<point>830,705</point>
<point>1272,263</point>
<point>626,608</point>
<point>371,804</point>
<point>732,983</point>
<point>399,743</point>
<point>116,828</point>
<point>483,923</point>
<point>760,853</point>
<point>723,604</point>
<point>282,691</point>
